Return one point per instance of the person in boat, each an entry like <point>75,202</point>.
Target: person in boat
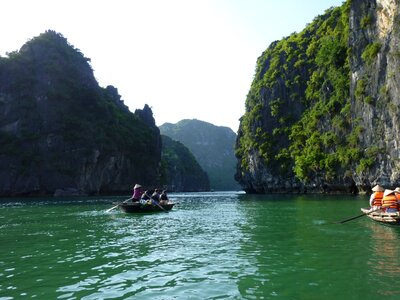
<point>389,201</point>
<point>145,198</point>
<point>397,195</point>
<point>137,193</point>
<point>163,197</point>
<point>156,195</point>
<point>375,201</point>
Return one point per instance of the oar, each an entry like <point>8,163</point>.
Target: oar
<point>114,207</point>
<point>158,204</point>
<point>362,215</point>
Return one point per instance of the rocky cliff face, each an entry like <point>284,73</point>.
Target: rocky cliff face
<point>322,111</point>
<point>295,122</point>
<point>60,133</point>
<point>212,146</point>
<point>182,172</point>
<point>375,86</point>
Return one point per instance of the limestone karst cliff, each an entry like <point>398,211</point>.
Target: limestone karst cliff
<point>322,111</point>
<point>212,146</point>
<point>60,133</point>
<point>181,171</point>
<point>375,85</point>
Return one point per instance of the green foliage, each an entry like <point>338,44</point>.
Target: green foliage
<point>366,21</point>
<point>368,100</point>
<point>315,151</point>
<point>50,86</point>
<point>212,146</point>
<point>320,139</point>
<point>275,106</point>
<point>360,89</point>
<point>179,164</point>
<point>368,160</point>
<point>370,52</point>
<point>384,91</point>
<point>360,92</point>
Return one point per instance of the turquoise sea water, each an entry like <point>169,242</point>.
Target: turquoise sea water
<point>210,246</point>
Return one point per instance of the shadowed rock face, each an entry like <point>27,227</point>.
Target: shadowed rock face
<point>182,172</point>
<point>354,143</point>
<point>62,133</point>
<point>212,146</point>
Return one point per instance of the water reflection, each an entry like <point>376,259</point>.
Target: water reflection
<point>211,246</point>
<point>297,250</point>
<point>384,260</point>
<point>263,245</point>
<point>191,252</point>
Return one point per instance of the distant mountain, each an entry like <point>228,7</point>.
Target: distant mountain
<point>61,133</point>
<point>212,146</point>
<point>181,172</point>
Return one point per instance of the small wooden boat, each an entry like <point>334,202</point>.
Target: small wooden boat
<point>392,218</point>
<point>137,207</point>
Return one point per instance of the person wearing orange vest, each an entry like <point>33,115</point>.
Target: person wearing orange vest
<point>397,195</point>
<point>375,201</point>
<point>389,201</point>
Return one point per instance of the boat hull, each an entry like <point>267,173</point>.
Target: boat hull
<point>137,207</point>
<point>383,217</point>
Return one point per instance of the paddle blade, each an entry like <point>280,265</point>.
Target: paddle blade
<point>110,209</point>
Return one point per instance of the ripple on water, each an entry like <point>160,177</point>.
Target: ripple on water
<point>211,246</point>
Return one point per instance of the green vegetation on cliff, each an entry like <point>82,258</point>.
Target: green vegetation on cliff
<point>47,67</point>
<point>298,116</point>
<point>181,171</point>
<point>57,123</point>
<point>212,146</point>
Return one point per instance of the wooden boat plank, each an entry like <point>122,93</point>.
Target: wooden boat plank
<point>392,218</point>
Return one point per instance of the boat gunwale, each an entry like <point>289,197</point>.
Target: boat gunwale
<point>137,207</point>
<point>390,218</point>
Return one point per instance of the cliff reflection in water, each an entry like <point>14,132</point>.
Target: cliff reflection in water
<point>384,261</point>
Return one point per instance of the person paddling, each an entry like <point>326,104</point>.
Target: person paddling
<point>145,199</point>
<point>137,193</point>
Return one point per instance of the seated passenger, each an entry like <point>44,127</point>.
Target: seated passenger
<point>156,195</point>
<point>375,201</point>
<point>163,197</point>
<point>397,195</point>
<point>389,201</point>
<point>145,197</point>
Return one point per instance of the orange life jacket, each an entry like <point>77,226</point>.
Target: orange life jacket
<point>377,199</point>
<point>390,201</point>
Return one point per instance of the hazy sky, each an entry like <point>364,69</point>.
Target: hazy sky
<point>187,59</point>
